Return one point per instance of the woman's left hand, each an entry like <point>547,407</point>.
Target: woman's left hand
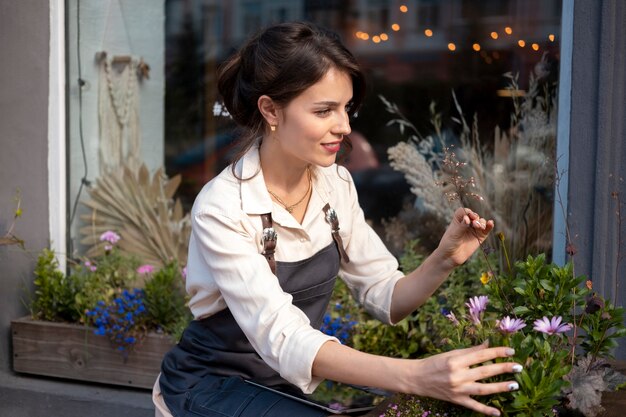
<point>466,232</point>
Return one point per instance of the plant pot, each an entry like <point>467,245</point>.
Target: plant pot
<point>73,351</point>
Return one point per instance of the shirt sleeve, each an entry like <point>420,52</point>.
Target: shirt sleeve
<point>279,331</point>
<point>372,272</point>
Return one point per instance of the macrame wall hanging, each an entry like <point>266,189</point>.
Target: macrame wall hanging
<point>118,105</point>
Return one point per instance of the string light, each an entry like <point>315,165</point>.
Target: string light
<point>551,37</point>
<point>521,43</point>
<point>404,9</point>
<point>376,39</point>
<point>476,47</point>
<point>535,46</point>
<point>508,30</point>
<point>365,36</point>
<point>395,27</point>
<point>384,37</point>
<point>494,35</point>
<point>428,33</point>
<point>452,46</point>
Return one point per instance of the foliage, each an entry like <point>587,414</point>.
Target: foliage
<point>9,238</point>
<point>564,366</point>
<point>104,292</point>
<point>166,302</point>
<point>54,293</point>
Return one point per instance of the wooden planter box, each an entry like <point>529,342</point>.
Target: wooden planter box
<point>75,352</point>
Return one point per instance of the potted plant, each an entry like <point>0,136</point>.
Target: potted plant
<point>118,309</point>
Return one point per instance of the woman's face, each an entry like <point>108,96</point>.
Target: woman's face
<point>311,127</point>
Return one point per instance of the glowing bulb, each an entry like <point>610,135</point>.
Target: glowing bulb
<point>376,39</point>
<point>508,30</point>
<point>452,46</point>
<point>494,35</point>
<point>395,27</point>
<point>476,47</point>
<point>384,37</point>
<point>428,33</point>
<point>551,37</point>
<point>521,43</point>
<point>404,9</point>
<point>535,46</point>
<point>365,36</point>
<point>358,34</point>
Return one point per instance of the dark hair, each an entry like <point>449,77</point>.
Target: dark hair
<point>281,62</point>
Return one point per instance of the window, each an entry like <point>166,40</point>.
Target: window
<point>440,61</point>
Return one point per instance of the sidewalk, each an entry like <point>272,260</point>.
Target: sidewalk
<point>26,396</point>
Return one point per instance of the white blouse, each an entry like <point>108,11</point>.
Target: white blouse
<point>226,268</point>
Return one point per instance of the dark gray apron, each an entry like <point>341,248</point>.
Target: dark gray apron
<point>217,347</point>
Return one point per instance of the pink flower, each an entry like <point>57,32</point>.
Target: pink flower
<point>93,268</point>
<point>553,326</point>
<point>508,325</point>
<point>110,236</point>
<point>477,305</point>
<point>184,272</point>
<point>145,269</point>
<point>108,248</point>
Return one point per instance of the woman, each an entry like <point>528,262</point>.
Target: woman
<point>258,300</point>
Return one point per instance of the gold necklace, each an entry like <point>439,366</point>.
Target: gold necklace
<point>293,206</point>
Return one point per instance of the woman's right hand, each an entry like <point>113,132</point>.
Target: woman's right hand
<point>454,377</point>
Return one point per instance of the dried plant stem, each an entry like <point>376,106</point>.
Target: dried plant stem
<point>572,252</point>
<point>460,193</point>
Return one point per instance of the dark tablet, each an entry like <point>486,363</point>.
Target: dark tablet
<point>335,407</point>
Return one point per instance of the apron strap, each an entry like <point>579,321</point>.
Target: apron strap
<point>270,236</point>
<point>269,241</point>
<point>331,217</point>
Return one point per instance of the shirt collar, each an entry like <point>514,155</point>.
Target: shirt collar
<point>256,200</point>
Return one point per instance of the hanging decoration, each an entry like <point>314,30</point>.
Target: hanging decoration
<point>118,110</point>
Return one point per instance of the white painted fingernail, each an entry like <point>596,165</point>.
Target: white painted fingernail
<point>510,352</point>
<point>517,368</point>
<point>513,386</point>
<point>496,413</point>
<point>477,223</point>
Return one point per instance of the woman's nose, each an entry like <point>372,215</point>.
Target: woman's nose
<point>343,124</point>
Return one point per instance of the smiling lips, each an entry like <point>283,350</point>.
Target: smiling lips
<point>332,147</point>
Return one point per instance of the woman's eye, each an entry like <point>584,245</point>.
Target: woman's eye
<point>324,112</point>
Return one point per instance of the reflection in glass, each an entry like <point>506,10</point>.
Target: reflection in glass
<point>480,76</point>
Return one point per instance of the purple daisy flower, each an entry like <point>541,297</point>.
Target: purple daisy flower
<point>477,305</point>
<point>145,269</point>
<point>110,236</point>
<point>508,325</point>
<point>552,326</point>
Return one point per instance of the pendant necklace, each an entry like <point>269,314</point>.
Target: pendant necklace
<point>293,206</point>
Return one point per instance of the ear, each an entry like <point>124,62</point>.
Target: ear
<point>268,109</point>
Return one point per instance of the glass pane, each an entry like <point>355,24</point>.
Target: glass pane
<point>481,76</point>
<point>499,59</point>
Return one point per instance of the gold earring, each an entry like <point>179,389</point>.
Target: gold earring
<point>273,128</point>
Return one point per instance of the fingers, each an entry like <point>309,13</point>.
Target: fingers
<point>487,371</point>
<point>472,404</point>
<point>486,389</point>
<point>470,218</point>
<point>479,354</point>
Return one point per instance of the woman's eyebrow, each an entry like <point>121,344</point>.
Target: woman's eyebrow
<point>329,103</point>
